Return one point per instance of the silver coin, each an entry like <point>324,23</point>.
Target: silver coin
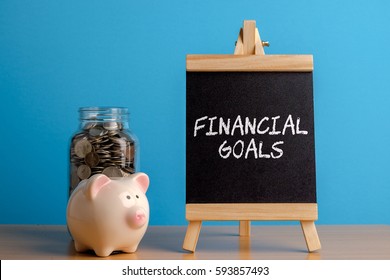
<point>92,159</point>
<point>78,137</point>
<point>96,131</point>
<point>112,171</point>
<point>83,171</point>
<point>111,125</point>
<point>89,125</point>
<point>82,147</point>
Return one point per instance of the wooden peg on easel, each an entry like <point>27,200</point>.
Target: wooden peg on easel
<point>249,43</point>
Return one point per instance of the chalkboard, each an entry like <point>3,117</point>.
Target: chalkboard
<point>250,137</point>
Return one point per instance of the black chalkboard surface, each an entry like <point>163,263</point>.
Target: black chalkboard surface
<point>250,137</point>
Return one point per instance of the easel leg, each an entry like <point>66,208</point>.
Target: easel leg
<point>245,228</point>
<point>192,235</point>
<point>311,236</point>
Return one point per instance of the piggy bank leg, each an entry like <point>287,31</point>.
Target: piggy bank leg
<point>103,252</point>
<point>80,247</point>
<point>131,249</point>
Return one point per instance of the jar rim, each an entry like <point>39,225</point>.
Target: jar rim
<point>103,108</point>
<point>103,113</point>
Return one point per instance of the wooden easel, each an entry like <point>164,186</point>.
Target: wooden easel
<point>249,44</point>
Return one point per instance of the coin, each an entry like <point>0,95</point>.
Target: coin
<point>89,125</point>
<point>96,131</point>
<point>82,147</point>
<point>125,173</point>
<point>112,171</point>
<point>83,171</point>
<point>92,159</point>
<point>111,125</point>
<point>74,179</point>
<point>130,152</point>
<point>128,169</point>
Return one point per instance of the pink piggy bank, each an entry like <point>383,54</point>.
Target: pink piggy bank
<point>108,215</point>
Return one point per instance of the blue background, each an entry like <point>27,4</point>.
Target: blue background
<point>56,56</point>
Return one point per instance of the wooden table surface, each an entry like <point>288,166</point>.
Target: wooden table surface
<point>215,242</point>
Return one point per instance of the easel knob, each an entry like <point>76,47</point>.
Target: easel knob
<point>264,43</point>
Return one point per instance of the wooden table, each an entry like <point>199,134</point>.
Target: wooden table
<point>215,242</point>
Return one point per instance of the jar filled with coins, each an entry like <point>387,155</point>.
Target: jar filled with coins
<point>104,144</point>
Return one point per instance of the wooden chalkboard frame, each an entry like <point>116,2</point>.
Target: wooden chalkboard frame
<point>249,57</point>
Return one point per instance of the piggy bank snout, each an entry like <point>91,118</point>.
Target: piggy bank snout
<point>137,217</point>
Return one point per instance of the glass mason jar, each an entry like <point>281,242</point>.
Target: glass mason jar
<point>103,144</point>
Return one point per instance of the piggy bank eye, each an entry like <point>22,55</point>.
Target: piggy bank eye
<point>126,199</point>
<point>137,196</point>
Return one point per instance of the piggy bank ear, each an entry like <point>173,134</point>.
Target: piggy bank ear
<point>95,184</point>
<point>143,180</point>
